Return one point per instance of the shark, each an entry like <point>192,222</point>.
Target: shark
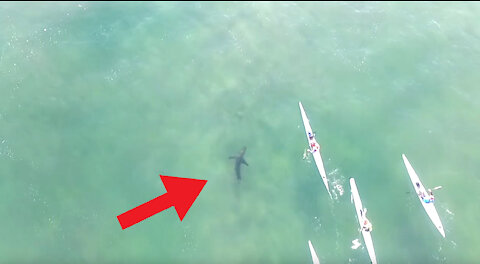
<point>239,160</point>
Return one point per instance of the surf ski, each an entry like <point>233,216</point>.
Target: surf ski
<point>314,254</point>
<point>314,147</point>
<point>426,199</point>
<point>362,220</point>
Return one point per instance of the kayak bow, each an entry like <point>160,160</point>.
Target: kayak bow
<point>314,254</point>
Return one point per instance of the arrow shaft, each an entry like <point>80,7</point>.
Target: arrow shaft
<point>144,211</point>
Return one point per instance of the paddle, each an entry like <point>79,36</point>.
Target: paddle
<point>434,189</point>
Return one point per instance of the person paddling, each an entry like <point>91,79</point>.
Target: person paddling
<point>431,198</point>
<point>366,225</point>
<point>314,146</point>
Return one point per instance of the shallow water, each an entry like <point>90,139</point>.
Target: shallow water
<point>98,99</point>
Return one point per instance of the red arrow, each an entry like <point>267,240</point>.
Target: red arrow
<point>181,193</point>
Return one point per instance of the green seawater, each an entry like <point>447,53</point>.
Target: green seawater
<point>97,99</point>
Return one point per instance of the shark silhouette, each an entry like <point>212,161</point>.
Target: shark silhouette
<point>239,160</point>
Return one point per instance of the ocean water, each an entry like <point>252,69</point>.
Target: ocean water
<point>98,99</point>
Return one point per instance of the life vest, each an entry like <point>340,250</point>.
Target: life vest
<point>430,199</point>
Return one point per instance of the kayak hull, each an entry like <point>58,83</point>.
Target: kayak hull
<point>316,154</point>
<point>429,207</point>
<point>367,237</point>
<point>314,254</point>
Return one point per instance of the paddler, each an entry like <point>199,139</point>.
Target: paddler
<point>314,146</point>
<point>366,225</point>
<point>431,198</point>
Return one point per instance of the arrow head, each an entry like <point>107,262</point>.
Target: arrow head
<point>182,192</point>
